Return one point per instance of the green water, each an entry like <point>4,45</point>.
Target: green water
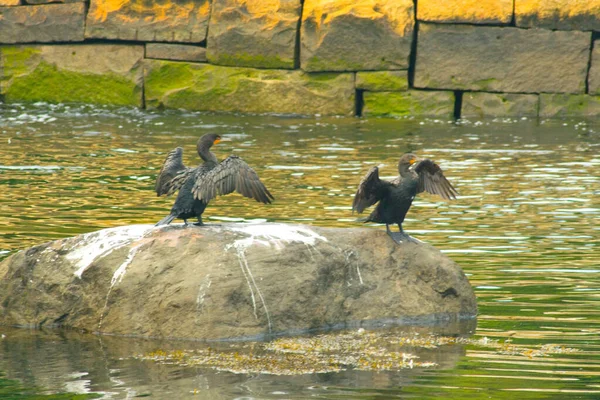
<point>525,230</point>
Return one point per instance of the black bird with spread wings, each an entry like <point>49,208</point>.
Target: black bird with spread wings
<point>395,197</point>
<point>197,186</point>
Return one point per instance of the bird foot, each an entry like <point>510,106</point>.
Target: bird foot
<point>198,224</point>
<point>401,237</point>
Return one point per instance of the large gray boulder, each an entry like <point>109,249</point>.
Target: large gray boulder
<point>230,281</point>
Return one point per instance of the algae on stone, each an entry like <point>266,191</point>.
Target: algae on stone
<point>213,88</point>
<point>414,103</point>
<point>353,35</point>
<point>565,105</point>
<point>480,105</point>
<point>466,11</point>
<point>253,33</point>
<point>98,74</point>
<point>382,81</point>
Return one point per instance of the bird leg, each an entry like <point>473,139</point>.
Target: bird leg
<point>400,237</point>
<point>199,223</point>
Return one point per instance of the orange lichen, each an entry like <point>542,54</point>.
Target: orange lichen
<point>550,9</point>
<point>466,10</point>
<point>136,10</point>
<point>398,14</point>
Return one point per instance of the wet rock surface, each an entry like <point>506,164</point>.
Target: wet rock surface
<point>230,281</point>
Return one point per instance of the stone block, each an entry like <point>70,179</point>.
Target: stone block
<point>581,15</point>
<point>382,81</point>
<point>480,105</point>
<point>36,2</point>
<point>466,11</point>
<point>353,35</point>
<point>496,59</point>
<point>208,87</point>
<point>415,103</point>
<point>594,74</point>
<point>176,52</point>
<point>42,24</point>
<point>565,105</point>
<point>253,33</point>
<point>95,73</point>
<point>9,3</point>
<point>150,20</point>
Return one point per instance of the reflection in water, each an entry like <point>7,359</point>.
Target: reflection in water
<point>524,229</point>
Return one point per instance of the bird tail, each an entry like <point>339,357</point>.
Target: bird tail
<point>166,220</point>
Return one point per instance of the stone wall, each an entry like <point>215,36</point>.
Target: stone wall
<point>444,59</point>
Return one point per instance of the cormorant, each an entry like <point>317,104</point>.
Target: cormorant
<point>197,186</point>
<point>395,197</point>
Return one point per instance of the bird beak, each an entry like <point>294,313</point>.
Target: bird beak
<point>217,141</point>
<point>412,161</point>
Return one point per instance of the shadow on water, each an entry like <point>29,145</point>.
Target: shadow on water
<point>524,229</point>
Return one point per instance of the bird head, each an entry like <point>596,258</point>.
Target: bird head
<point>406,161</point>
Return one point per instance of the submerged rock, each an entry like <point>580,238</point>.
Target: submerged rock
<point>230,281</point>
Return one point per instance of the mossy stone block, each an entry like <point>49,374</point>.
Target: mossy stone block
<point>253,33</point>
<point>97,74</point>
<point>355,35</point>
<point>382,81</point>
<point>183,21</point>
<point>207,87</point>
<point>564,105</point>
<point>415,103</point>
<point>480,105</point>
<point>501,59</point>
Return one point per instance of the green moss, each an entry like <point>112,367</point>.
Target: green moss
<point>47,83</point>
<point>320,64</point>
<point>217,88</point>
<point>382,81</point>
<point>483,84</point>
<point>17,60</point>
<point>409,103</point>
<point>250,60</point>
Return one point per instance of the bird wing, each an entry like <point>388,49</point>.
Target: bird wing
<point>432,180</point>
<point>171,167</point>
<point>369,190</point>
<point>232,174</point>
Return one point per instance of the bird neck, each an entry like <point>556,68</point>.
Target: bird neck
<point>405,171</point>
<point>205,154</point>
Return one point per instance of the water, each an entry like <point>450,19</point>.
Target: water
<point>525,229</point>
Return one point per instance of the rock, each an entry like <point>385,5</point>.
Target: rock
<point>353,35</point>
<point>35,2</point>
<point>495,59</point>
<point>160,21</point>
<point>382,81</point>
<point>9,3</point>
<point>564,105</point>
<point>95,73</point>
<point>594,74</point>
<point>177,52</point>
<point>253,33</point>
<point>558,14</point>
<point>479,105</point>
<point>42,24</point>
<point>213,88</point>
<point>466,11</point>
<point>410,103</point>
<point>230,281</point>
